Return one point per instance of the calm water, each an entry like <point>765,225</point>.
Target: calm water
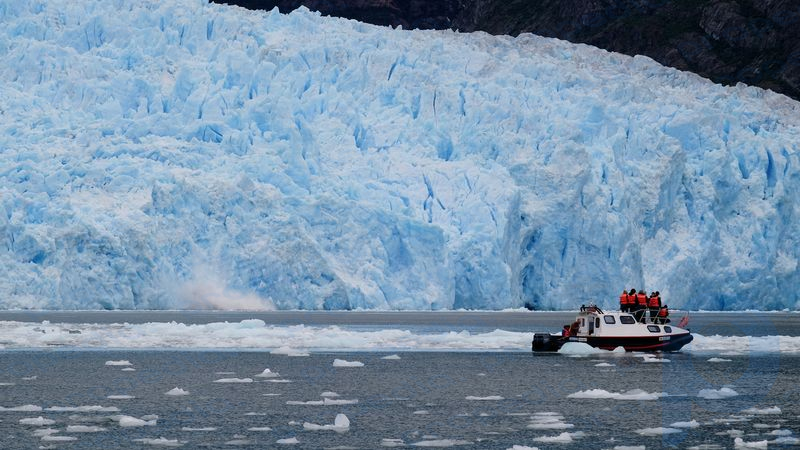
<point>465,399</point>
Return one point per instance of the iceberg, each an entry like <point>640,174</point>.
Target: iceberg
<point>176,154</point>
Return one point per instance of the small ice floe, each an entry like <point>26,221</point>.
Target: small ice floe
<point>268,374</point>
<point>629,447</point>
<point>129,421</point>
<point>719,360</point>
<point>84,429</point>
<point>780,432</point>
<point>57,438</point>
<point>31,378</point>
<point>324,402</point>
<point>391,357</point>
<point>120,397</point>
<point>487,398</point>
<point>731,433</point>
<point>36,421</point>
<point>288,441</point>
<point>731,419</point>
<point>579,349</point>
<point>657,431</point>
<point>255,414</point>
<point>22,408</point>
<point>329,394</point>
<point>44,432</point>
<point>757,411</point>
<point>234,380</point>
<point>278,380</point>
<point>121,362</point>
<point>648,358</point>
<point>161,442</point>
<point>271,394</point>
<point>633,394</point>
<point>785,440</point>
<point>199,429</point>
<point>563,438</point>
<point>440,443</point>
<point>288,351</point>
<point>604,364</point>
<point>690,424</point>
<point>340,424</point>
<point>421,412</point>
<point>83,408</point>
<point>389,442</point>
<point>717,394</point>
<point>176,391</point>
<point>548,421</point>
<point>129,369</point>
<point>7,384</point>
<point>741,443</point>
<point>259,429</point>
<point>239,441</point>
<point>343,363</point>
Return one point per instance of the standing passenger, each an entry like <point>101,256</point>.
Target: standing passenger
<point>641,306</point>
<point>663,315</point>
<point>654,304</point>
<point>623,301</point>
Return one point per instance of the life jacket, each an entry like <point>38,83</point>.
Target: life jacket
<point>565,332</point>
<point>642,299</point>
<point>654,302</point>
<point>663,312</point>
<point>623,298</point>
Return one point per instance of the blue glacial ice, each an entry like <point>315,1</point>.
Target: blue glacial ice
<point>179,154</point>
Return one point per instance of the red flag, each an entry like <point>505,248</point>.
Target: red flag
<point>684,321</point>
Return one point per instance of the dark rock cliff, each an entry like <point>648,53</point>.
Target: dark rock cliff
<point>751,41</point>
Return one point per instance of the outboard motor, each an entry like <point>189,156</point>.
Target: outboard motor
<point>545,342</point>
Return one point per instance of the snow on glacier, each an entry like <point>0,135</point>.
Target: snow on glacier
<point>180,154</point>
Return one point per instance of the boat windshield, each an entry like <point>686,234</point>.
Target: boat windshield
<point>627,319</point>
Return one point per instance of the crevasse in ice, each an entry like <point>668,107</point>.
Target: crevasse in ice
<point>177,154</point>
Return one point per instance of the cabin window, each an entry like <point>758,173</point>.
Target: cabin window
<point>583,322</point>
<point>609,319</point>
<point>668,329</point>
<point>653,328</point>
<point>597,322</point>
<point>627,320</point>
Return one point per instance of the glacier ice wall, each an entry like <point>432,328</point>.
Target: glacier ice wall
<point>176,154</point>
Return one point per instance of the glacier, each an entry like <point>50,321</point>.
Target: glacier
<point>176,154</point>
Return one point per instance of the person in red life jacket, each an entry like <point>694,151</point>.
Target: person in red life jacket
<point>632,301</point>
<point>641,306</point>
<point>624,305</point>
<point>663,315</point>
<point>565,332</point>
<point>654,304</point>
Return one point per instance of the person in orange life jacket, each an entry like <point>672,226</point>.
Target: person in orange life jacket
<point>663,315</point>
<point>565,332</point>
<point>632,301</point>
<point>654,304</point>
<point>641,305</point>
<point>623,301</point>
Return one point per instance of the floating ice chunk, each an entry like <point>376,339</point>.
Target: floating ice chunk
<point>563,438</point>
<point>731,433</point>
<point>329,394</point>
<point>786,440</point>
<point>31,378</point>
<point>488,398</point>
<point>629,447</point>
<point>288,441</point>
<point>84,408</point>
<point>84,429</point>
<point>389,442</point>
<point>121,362</point>
<point>129,421</point>
<point>268,374</point>
<point>657,431</point>
<point>36,421</point>
<point>421,412</point>
<point>278,380</point>
<point>740,443</point>
<point>440,443</point>
<point>579,348</point>
<point>56,438</point>
<point>129,369</point>
<point>604,364</point>
<point>22,408</point>
<point>120,397</point>
<point>7,384</point>
<point>340,424</point>
<point>548,421</point>
<point>199,429</point>
<point>714,394</point>
<point>234,380</point>
<point>719,360</point>
<point>690,424</point>
<point>288,351</point>
<point>343,363</point>
<point>633,394</point>
<point>770,410</point>
<point>259,429</point>
<point>161,442</point>
<point>391,357</point>
<point>44,432</point>
<point>324,402</point>
<point>176,391</point>
<point>522,447</point>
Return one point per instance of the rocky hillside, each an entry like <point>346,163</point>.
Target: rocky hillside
<point>751,41</point>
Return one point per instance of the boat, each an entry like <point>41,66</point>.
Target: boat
<point>611,330</point>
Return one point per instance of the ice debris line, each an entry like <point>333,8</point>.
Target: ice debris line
<point>180,154</point>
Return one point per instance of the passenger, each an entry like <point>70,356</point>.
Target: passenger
<point>654,304</point>
<point>565,332</point>
<point>623,301</point>
<point>641,306</point>
<point>663,315</point>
